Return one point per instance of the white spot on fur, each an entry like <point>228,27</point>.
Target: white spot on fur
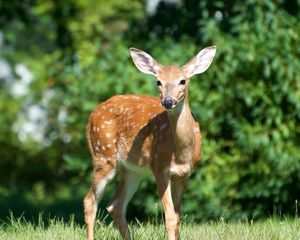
<point>108,122</point>
<point>108,145</point>
<point>98,142</point>
<point>103,147</point>
<point>97,129</point>
<point>94,129</point>
<point>108,135</point>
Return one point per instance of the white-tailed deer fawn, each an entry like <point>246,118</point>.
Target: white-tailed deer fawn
<point>144,134</point>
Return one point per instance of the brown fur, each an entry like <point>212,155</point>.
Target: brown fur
<point>138,129</point>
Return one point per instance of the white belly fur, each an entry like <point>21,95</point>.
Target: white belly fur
<point>143,171</point>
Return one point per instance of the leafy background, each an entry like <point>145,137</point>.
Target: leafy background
<point>60,59</point>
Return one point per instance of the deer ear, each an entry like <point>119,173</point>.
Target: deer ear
<point>201,62</point>
<point>144,62</point>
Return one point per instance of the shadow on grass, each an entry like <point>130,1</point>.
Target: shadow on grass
<point>18,206</point>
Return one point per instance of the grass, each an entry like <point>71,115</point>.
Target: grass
<point>272,229</point>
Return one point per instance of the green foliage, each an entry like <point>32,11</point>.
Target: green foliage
<point>248,102</point>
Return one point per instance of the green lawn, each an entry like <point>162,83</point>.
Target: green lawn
<point>57,229</point>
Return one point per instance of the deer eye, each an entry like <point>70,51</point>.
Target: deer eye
<point>182,82</point>
<point>158,83</point>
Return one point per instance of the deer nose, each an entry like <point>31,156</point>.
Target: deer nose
<point>168,102</point>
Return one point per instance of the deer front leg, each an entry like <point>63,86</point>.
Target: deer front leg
<point>171,218</point>
<point>177,189</point>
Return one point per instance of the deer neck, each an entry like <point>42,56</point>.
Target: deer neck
<point>181,124</point>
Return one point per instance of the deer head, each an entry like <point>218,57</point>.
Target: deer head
<point>172,81</point>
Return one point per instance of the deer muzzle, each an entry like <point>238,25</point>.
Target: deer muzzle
<point>168,102</point>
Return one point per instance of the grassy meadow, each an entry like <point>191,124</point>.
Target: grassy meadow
<point>271,229</point>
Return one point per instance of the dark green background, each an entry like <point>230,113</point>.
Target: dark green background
<point>248,102</point>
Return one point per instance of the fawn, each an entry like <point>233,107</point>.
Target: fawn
<point>146,135</point>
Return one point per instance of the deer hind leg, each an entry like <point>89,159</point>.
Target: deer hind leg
<point>117,208</point>
<point>102,174</point>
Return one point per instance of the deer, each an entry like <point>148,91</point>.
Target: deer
<point>144,135</point>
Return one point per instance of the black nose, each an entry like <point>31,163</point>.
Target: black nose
<point>168,102</point>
